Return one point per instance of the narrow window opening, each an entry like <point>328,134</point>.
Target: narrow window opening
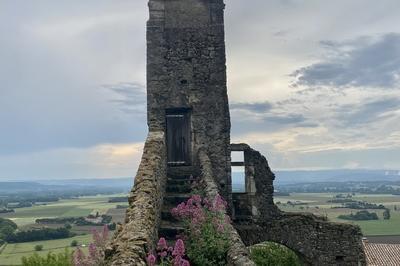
<point>237,156</point>
<point>238,179</point>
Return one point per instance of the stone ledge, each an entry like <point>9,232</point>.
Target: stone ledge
<point>137,236</point>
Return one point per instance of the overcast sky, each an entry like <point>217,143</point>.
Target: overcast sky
<point>312,84</point>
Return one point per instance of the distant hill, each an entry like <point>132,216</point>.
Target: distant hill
<point>345,175</point>
<point>122,184</point>
<point>20,186</point>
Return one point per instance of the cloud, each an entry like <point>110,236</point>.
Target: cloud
<point>265,117</point>
<point>260,107</point>
<point>132,98</point>
<point>100,161</point>
<point>363,62</point>
<point>369,112</point>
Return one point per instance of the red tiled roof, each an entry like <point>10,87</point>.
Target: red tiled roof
<point>382,254</point>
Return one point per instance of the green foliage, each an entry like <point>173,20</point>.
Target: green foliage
<point>38,247</point>
<point>360,216</point>
<point>112,226</point>
<point>209,247</point>
<point>7,227</point>
<point>68,226</point>
<point>74,243</point>
<point>386,214</point>
<point>273,254</point>
<point>39,234</point>
<point>206,231</point>
<point>61,259</point>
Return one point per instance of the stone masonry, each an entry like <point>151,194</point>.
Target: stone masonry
<point>189,137</point>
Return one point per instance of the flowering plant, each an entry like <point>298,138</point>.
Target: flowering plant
<point>96,250</point>
<point>167,256</point>
<point>205,232</point>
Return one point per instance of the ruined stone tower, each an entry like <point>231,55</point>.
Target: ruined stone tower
<point>186,83</point>
<point>189,137</point>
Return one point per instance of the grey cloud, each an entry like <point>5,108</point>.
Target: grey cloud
<point>252,107</point>
<point>132,98</point>
<point>265,117</point>
<point>351,115</point>
<point>364,62</point>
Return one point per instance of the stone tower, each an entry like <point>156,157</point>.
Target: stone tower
<point>189,135</point>
<point>186,83</point>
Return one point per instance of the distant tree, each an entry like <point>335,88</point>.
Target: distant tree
<point>386,214</point>
<point>7,228</point>
<point>38,247</point>
<point>112,226</point>
<point>68,226</point>
<point>74,243</point>
<point>39,234</point>
<point>360,216</point>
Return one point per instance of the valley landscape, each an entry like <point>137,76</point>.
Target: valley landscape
<point>90,198</point>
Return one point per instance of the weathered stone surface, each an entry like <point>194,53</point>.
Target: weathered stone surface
<point>315,240</point>
<point>137,236</point>
<point>186,69</point>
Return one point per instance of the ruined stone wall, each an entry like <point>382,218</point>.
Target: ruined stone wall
<point>137,236</point>
<point>186,69</point>
<point>314,239</point>
<point>257,203</point>
<point>238,254</point>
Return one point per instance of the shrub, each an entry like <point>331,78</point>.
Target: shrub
<point>205,231</point>
<point>38,247</point>
<point>386,214</point>
<point>62,259</point>
<point>68,226</point>
<point>74,243</point>
<point>273,254</point>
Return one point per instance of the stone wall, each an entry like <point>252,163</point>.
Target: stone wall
<point>138,235</point>
<point>314,239</point>
<point>257,203</point>
<point>238,254</point>
<point>186,69</point>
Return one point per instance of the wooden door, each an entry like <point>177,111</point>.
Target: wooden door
<point>178,138</point>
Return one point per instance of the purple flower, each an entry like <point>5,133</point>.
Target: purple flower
<point>79,257</point>
<point>151,260</point>
<point>179,249</point>
<point>162,244</point>
<point>92,251</point>
<point>163,254</point>
<point>197,199</point>
<point>177,260</point>
<point>185,262</point>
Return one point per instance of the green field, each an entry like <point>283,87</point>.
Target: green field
<point>13,253</point>
<point>317,204</point>
<point>83,206</point>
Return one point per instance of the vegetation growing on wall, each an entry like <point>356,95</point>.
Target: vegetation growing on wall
<point>273,254</point>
